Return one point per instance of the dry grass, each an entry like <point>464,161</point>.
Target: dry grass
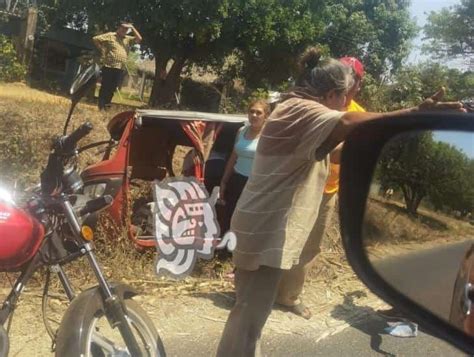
<point>389,230</point>
<point>30,119</point>
<point>389,222</point>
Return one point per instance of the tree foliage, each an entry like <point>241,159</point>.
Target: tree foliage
<point>423,167</point>
<point>176,33</point>
<point>376,31</point>
<point>269,34</point>
<point>411,84</point>
<point>379,32</point>
<point>450,31</point>
<point>262,36</point>
<point>11,70</point>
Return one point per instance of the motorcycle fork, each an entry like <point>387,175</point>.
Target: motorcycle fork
<point>115,309</point>
<point>59,271</point>
<point>11,300</point>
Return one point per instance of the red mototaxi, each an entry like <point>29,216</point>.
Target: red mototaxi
<point>141,147</point>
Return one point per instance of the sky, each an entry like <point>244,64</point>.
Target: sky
<point>461,140</point>
<point>420,9</point>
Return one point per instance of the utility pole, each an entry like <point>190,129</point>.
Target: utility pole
<point>27,35</point>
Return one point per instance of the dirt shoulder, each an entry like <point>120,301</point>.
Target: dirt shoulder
<point>389,230</point>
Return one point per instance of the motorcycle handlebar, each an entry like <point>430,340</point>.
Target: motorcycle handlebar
<point>96,205</point>
<point>63,147</point>
<point>68,143</point>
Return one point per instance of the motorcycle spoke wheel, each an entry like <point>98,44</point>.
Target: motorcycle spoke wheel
<point>105,341</point>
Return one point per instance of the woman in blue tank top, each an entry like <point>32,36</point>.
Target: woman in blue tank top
<point>239,165</point>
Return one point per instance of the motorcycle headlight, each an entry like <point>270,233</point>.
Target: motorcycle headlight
<point>95,190</point>
<point>6,196</point>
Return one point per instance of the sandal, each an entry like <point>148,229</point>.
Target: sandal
<point>299,309</point>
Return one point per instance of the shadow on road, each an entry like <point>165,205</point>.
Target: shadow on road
<point>224,300</point>
<point>357,317</point>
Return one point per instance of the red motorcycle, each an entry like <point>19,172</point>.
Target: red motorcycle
<point>52,229</point>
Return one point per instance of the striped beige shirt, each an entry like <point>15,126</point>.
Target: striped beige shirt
<point>279,205</point>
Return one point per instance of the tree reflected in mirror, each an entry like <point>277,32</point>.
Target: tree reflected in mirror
<point>419,224</point>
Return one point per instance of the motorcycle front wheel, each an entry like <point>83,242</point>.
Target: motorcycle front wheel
<point>101,340</point>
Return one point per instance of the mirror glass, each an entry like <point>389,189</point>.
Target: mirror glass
<point>84,80</point>
<point>419,222</point>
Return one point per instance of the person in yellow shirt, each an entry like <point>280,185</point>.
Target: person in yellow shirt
<point>332,184</point>
<point>114,48</point>
<point>292,281</point>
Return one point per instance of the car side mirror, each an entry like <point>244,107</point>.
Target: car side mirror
<point>406,209</point>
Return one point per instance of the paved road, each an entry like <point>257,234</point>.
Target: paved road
<point>368,339</point>
<point>363,339</point>
<point>426,276</point>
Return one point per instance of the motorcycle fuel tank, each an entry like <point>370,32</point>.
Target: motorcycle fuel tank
<point>20,235</point>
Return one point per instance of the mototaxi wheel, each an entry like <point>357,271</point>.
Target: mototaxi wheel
<point>101,340</point>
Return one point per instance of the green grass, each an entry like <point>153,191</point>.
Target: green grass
<point>125,98</point>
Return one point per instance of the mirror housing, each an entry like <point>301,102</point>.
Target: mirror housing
<point>359,159</point>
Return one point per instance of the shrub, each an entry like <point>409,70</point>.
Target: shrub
<point>11,70</point>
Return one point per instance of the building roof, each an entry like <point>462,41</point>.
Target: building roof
<point>70,37</point>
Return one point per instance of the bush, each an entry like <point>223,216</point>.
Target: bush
<point>199,96</point>
<point>11,70</point>
<point>259,93</point>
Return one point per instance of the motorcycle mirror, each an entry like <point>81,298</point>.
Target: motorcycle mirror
<point>83,82</point>
<point>406,208</point>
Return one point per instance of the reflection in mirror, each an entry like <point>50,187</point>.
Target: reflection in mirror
<point>419,226</point>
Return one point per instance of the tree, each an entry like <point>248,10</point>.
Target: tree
<point>264,36</point>
<point>176,33</point>
<point>11,69</point>
<point>423,167</point>
<point>456,191</point>
<point>451,31</point>
<point>51,13</point>
<point>411,84</point>
<point>379,32</point>
<point>269,34</point>
<point>405,164</point>
<point>182,33</point>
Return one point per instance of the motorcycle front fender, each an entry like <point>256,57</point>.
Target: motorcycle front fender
<point>75,322</point>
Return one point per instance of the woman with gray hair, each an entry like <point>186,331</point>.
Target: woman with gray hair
<point>279,205</point>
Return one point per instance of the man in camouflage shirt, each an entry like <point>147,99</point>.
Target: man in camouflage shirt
<point>114,48</point>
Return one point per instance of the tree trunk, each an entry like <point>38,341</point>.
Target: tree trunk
<point>166,84</point>
<point>413,199</point>
<point>416,203</point>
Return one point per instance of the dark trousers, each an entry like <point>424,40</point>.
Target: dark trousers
<point>110,80</point>
<point>213,173</point>
<point>234,189</point>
